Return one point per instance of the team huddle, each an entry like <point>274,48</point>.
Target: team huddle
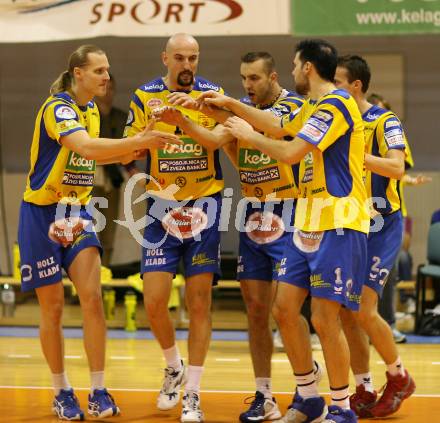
<point>319,169</point>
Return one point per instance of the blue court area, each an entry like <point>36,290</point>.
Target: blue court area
<point>217,335</point>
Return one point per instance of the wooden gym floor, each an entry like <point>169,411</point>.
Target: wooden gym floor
<point>134,376</point>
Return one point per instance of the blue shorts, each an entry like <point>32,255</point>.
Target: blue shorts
<point>42,259</point>
<point>328,265</point>
<point>382,250</point>
<point>182,229</point>
<point>262,238</point>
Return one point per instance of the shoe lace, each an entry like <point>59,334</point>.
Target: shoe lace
<point>69,401</point>
<point>104,398</point>
<point>193,401</point>
<point>170,375</point>
<point>256,402</point>
<point>389,389</point>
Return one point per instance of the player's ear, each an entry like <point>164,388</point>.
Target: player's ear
<point>164,58</point>
<point>273,76</point>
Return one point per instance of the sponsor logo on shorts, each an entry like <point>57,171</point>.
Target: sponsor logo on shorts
<point>26,273</point>
<point>185,222</point>
<point>155,257</point>
<point>47,267</point>
<point>316,281</point>
<point>263,228</point>
<point>202,260</point>
<point>308,242</point>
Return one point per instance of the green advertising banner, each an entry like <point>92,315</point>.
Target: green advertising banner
<point>365,17</point>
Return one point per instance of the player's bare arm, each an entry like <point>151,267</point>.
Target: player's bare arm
<point>105,148</point>
<point>391,166</point>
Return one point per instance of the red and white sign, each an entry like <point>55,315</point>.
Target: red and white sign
<point>263,228</point>
<point>185,222</point>
<point>53,20</point>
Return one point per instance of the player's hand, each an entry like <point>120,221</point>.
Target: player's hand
<point>213,98</point>
<point>421,179</point>
<point>149,138</point>
<point>239,128</point>
<point>183,99</point>
<point>169,115</point>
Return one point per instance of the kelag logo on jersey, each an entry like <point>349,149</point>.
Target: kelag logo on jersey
<point>79,164</point>
<point>188,157</point>
<point>254,159</point>
<point>189,149</point>
<point>79,171</point>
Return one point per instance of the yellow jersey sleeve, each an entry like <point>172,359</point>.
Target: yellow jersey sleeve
<point>329,121</point>
<point>60,119</point>
<point>390,134</point>
<point>293,121</point>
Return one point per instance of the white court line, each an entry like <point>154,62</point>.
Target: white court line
<point>279,360</point>
<point>19,356</point>
<point>122,357</point>
<point>232,360</point>
<point>436,363</point>
<point>73,357</point>
<point>381,362</point>
<point>204,391</point>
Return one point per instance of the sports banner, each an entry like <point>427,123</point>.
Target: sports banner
<point>364,17</point>
<point>54,20</point>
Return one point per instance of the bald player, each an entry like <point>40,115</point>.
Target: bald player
<point>184,228</point>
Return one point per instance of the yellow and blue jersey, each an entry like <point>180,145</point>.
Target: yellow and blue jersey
<point>58,174</point>
<point>191,168</point>
<point>332,193</point>
<point>261,176</point>
<point>383,132</point>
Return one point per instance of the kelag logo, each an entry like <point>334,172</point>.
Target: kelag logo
<point>163,11</point>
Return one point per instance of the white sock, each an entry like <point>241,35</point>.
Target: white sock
<point>97,380</point>
<point>341,397</point>
<point>306,385</point>
<point>264,385</point>
<point>396,368</point>
<point>193,377</point>
<point>173,358</point>
<point>60,381</point>
<point>366,380</point>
